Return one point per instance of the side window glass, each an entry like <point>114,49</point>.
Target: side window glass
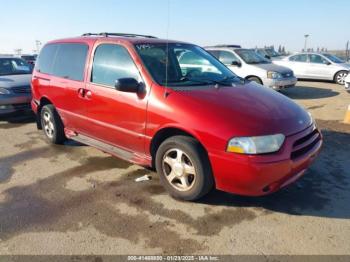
<point>227,58</point>
<point>112,62</point>
<point>298,58</point>
<point>46,59</point>
<point>70,61</point>
<point>317,59</point>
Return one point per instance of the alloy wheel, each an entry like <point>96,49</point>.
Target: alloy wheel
<point>341,78</point>
<point>179,169</point>
<point>48,124</point>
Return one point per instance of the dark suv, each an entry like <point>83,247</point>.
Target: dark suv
<point>197,123</point>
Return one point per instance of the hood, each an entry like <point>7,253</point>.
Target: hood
<point>345,65</point>
<point>244,110</point>
<point>274,68</point>
<point>15,80</point>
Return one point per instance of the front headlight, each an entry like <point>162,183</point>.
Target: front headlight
<point>273,75</point>
<point>4,91</point>
<point>256,144</point>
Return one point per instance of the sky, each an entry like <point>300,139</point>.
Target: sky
<point>249,23</point>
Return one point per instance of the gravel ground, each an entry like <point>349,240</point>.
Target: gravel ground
<point>74,199</point>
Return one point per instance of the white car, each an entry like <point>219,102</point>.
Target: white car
<point>347,83</point>
<point>318,66</point>
<point>247,64</point>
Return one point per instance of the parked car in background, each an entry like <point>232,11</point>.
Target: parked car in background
<point>15,92</point>
<point>347,83</point>
<point>269,53</point>
<point>29,58</point>
<point>317,66</point>
<point>247,64</point>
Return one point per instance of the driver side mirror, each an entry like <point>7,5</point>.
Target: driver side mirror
<point>268,57</point>
<point>236,63</point>
<point>327,63</point>
<point>129,85</point>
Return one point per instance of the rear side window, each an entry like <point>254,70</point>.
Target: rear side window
<point>63,60</point>
<point>70,61</point>
<point>46,59</point>
<point>112,62</point>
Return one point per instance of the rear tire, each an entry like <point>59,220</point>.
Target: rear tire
<point>184,169</point>
<point>52,125</point>
<point>340,77</point>
<point>255,79</point>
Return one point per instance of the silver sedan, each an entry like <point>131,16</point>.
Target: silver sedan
<point>318,66</point>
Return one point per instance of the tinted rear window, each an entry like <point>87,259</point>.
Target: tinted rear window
<point>63,60</point>
<point>46,58</point>
<point>70,61</point>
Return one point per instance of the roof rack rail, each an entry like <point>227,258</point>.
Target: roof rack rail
<point>105,34</point>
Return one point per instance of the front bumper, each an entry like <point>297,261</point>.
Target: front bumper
<point>265,174</point>
<point>14,102</point>
<point>279,84</point>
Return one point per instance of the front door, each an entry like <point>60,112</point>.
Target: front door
<point>319,67</point>
<point>115,117</point>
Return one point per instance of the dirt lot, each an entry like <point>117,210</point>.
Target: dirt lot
<point>74,199</point>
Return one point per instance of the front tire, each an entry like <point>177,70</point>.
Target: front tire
<point>52,125</point>
<point>184,169</point>
<point>340,77</point>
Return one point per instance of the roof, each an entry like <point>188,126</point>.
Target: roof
<point>131,38</point>
<point>224,46</point>
<point>310,53</point>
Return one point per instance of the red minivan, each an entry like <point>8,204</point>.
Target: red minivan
<point>174,107</point>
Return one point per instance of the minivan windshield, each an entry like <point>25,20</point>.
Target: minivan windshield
<point>14,66</point>
<point>334,58</point>
<point>176,64</point>
<point>251,57</point>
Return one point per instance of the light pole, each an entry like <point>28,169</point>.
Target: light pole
<point>38,45</point>
<point>305,44</point>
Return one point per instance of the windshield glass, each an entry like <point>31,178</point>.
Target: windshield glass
<point>14,66</point>
<point>334,58</point>
<point>183,65</point>
<point>251,57</point>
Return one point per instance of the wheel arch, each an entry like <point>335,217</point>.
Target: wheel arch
<point>165,133</point>
<point>336,73</point>
<point>250,76</point>
<point>43,101</point>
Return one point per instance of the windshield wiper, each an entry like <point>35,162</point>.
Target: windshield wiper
<point>221,82</point>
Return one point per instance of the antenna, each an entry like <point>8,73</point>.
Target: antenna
<point>167,52</point>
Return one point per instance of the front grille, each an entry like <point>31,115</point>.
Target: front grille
<point>303,145</point>
<point>21,89</point>
<point>288,74</point>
